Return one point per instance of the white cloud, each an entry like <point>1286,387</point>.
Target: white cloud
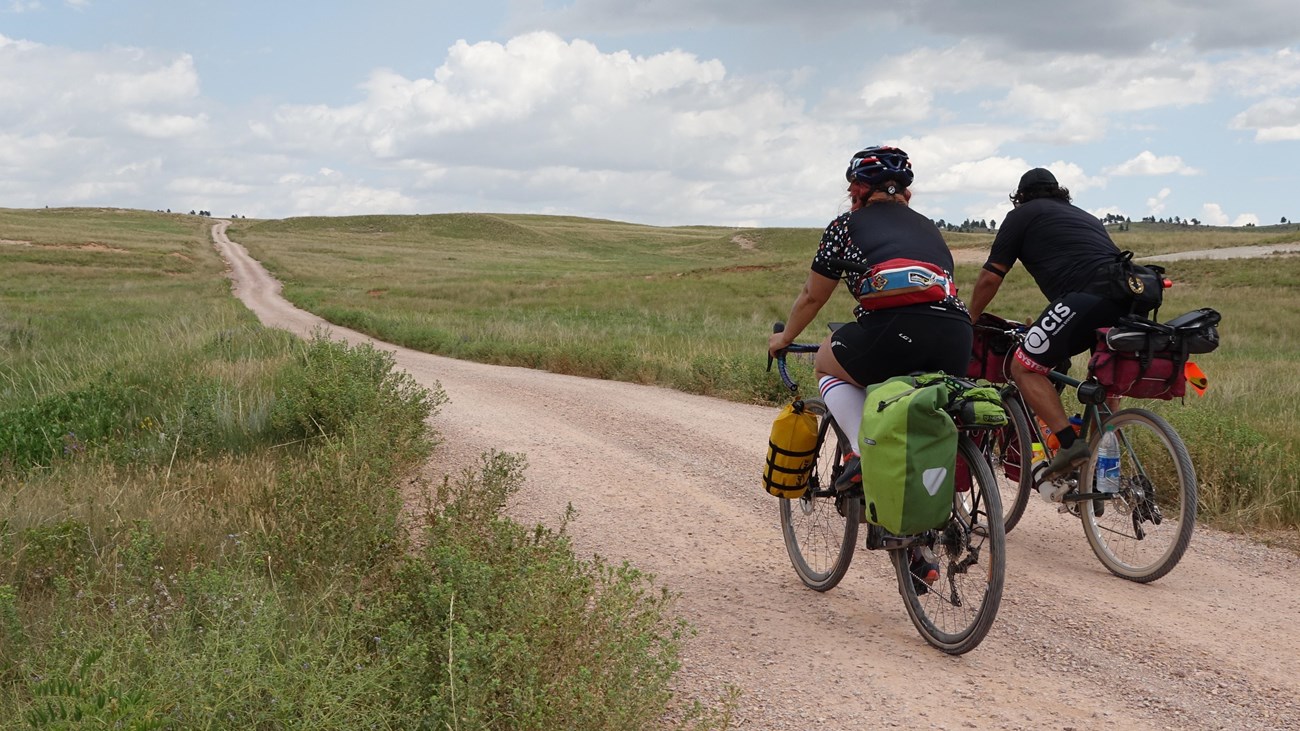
<point>1156,205</point>
<point>1053,97</point>
<point>894,101</point>
<point>356,199</point>
<point>1112,27</point>
<point>1147,163</point>
<point>1262,73</point>
<point>545,123</point>
<point>1274,120</point>
<point>208,187</point>
<point>163,126</point>
<point>606,131</point>
<point>1106,211</point>
<point>47,88</point>
<point>1213,215</point>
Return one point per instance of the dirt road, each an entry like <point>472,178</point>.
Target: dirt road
<point>670,482</point>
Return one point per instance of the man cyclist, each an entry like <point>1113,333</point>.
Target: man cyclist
<point>1065,249</point>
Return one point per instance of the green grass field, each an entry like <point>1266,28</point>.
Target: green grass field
<point>690,307</point>
<point>200,523</point>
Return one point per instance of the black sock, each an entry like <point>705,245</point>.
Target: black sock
<point>1066,437</point>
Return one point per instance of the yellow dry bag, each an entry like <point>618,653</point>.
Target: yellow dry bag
<point>790,451</point>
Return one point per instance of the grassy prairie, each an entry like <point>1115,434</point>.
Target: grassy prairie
<point>200,523</point>
<point>689,308</point>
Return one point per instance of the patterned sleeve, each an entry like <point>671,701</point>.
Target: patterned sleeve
<point>834,245</point>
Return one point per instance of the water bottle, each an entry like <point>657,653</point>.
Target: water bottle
<point>1108,461</point>
<point>1045,432</point>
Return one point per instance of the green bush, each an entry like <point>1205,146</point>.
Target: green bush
<point>340,507</point>
<point>517,633</point>
<point>64,424</point>
<point>331,385</point>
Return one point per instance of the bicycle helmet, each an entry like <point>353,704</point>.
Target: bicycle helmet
<point>875,165</point>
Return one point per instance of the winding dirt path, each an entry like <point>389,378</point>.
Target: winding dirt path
<point>669,482</point>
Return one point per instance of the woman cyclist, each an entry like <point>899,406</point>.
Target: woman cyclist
<point>884,339</point>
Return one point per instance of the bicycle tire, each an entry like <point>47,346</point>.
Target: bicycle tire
<point>820,529</point>
<point>1136,537</point>
<point>944,614</point>
<point>1009,448</point>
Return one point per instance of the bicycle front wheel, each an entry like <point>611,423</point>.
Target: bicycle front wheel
<point>957,611</point>
<point>1009,451</point>
<point>821,528</point>
<point>1142,532</point>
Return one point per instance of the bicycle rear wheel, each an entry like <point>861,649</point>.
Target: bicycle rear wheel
<point>821,528</point>
<point>1142,533</point>
<point>956,613</point>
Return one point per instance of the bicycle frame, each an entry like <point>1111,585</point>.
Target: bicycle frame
<point>821,531</point>
<point>1149,446</point>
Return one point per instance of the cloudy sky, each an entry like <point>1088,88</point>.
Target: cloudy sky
<point>730,112</point>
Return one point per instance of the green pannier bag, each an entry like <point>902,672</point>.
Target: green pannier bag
<point>908,447</point>
<point>977,406</point>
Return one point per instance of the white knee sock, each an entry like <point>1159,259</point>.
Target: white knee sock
<point>845,402</point>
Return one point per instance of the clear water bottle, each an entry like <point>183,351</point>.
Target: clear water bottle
<point>1108,461</point>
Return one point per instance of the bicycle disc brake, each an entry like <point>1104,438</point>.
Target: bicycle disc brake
<point>955,540</point>
<point>1144,506</point>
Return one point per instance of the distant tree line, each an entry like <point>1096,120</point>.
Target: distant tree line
<point>967,226</point>
<point>1176,221</point>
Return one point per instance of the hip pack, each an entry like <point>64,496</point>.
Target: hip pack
<point>1139,288</point>
<point>899,282</point>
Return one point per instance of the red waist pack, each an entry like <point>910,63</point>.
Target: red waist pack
<point>899,282</point>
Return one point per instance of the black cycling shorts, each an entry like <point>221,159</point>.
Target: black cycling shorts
<point>884,344</point>
<point>1066,328</point>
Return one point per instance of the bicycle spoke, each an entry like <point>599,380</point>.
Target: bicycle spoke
<point>1144,530</point>
<point>821,528</point>
<point>956,613</point>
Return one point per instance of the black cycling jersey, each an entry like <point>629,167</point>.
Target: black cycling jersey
<point>876,233</point>
<point>1061,245</point>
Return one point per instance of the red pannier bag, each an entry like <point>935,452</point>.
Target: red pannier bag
<point>991,352</point>
<point>1145,359</point>
<point>1138,374</point>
